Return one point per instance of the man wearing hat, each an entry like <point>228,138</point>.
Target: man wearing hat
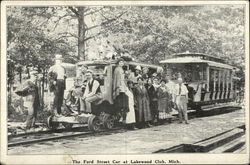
<point>91,94</point>
<point>181,100</point>
<point>137,73</point>
<point>58,82</point>
<point>31,101</point>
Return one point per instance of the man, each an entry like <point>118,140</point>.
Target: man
<point>137,74</point>
<point>171,86</point>
<point>31,101</point>
<point>92,93</point>
<point>57,85</point>
<point>181,100</point>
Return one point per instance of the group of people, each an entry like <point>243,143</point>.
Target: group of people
<point>29,90</point>
<point>153,96</point>
<point>141,98</point>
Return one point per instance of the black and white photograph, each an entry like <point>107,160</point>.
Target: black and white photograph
<point>121,80</point>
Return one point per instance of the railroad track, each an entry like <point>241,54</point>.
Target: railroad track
<point>50,135</point>
<point>37,137</point>
<point>60,130</point>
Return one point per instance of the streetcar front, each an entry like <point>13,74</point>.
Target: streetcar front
<point>209,79</point>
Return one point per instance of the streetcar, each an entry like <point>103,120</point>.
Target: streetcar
<point>103,114</point>
<point>209,79</point>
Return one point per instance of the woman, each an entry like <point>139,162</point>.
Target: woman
<point>119,86</point>
<point>164,99</point>
<point>130,118</point>
<point>145,73</point>
<point>142,104</point>
<point>152,93</point>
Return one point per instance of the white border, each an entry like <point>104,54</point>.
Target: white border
<point>67,159</point>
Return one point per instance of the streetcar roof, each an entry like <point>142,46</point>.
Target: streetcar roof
<point>107,62</point>
<point>196,60</point>
<point>204,56</point>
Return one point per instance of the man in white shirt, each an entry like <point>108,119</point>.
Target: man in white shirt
<point>170,85</point>
<point>92,93</point>
<point>57,85</point>
<point>181,100</point>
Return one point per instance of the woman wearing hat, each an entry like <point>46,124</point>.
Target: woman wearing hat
<point>143,113</point>
<point>130,116</point>
<point>164,99</point>
<point>119,86</point>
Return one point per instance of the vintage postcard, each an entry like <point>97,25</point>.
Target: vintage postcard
<point>124,82</point>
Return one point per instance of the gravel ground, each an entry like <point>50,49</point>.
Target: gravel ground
<point>141,141</point>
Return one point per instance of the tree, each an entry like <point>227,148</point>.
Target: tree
<point>154,33</point>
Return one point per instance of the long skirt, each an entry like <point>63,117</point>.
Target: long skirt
<point>154,108</point>
<point>130,118</point>
<point>164,107</point>
<point>144,113</point>
<point>121,102</point>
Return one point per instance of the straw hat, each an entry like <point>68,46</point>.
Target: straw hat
<point>138,67</point>
<point>33,72</point>
<point>89,71</point>
<point>58,57</point>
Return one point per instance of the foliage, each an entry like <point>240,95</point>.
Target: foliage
<point>148,33</point>
<point>29,40</point>
<point>154,33</point>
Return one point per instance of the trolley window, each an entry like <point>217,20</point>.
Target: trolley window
<point>190,72</point>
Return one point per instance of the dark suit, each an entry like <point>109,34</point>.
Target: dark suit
<point>152,93</point>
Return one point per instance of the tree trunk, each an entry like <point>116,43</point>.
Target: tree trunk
<point>43,81</point>
<point>20,77</point>
<point>81,34</point>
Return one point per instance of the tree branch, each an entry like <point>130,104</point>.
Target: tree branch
<point>112,19</point>
<point>59,19</point>
<point>92,12</point>
<point>67,34</point>
<point>106,22</point>
<point>74,11</point>
<point>88,38</point>
<point>92,27</point>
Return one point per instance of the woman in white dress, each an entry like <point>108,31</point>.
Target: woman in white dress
<point>130,118</point>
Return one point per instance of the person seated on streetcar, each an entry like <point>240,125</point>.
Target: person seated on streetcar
<point>91,94</point>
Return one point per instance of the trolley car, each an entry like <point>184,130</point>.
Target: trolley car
<point>209,79</point>
<point>104,114</point>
